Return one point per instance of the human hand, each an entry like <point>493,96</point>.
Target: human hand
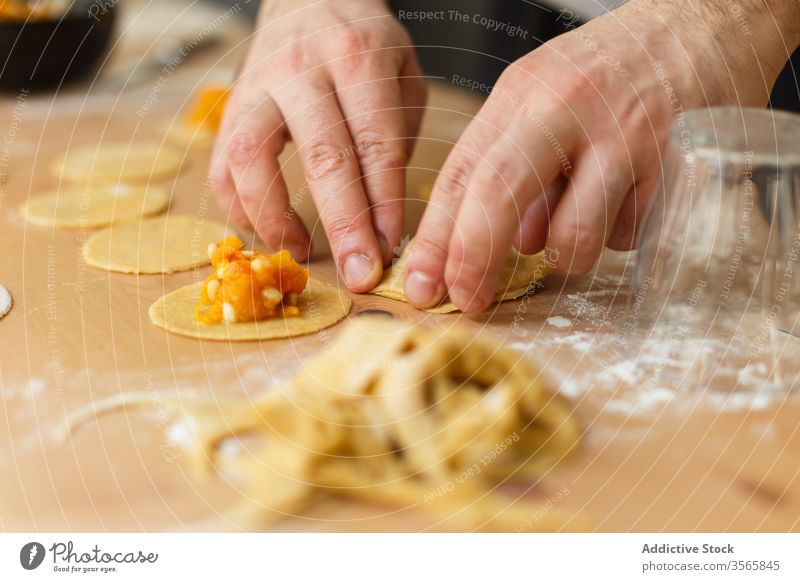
<point>341,78</point>
<point>582,120</point>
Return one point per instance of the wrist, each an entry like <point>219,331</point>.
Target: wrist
<point>271,8</point>
<point>737,48</point>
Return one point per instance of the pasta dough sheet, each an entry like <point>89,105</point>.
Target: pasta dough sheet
<point>520,274</point>
<point>321,305</point>
<point>119,162</point>
<point>157,245</point>
<point>75,207</point>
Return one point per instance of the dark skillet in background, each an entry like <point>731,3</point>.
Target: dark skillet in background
<point>45,54</point>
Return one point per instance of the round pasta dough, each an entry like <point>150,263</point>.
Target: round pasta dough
<point>120,162</point>
<point>321,305</point>
<point>185,135</point>
<point>94,207</point>
<point>5,301</point>
<point>156,245</point>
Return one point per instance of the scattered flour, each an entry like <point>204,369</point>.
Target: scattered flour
<point>580,341</point>
<point>642,379</point>
<point>35,386</point>
<point>5,301</point>
<point>560,322</point>
<point>581,305</point>
<point>28,389</point>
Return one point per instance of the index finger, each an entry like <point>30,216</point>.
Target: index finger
<point>517,167</point>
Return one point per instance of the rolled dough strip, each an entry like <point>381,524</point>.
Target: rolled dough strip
<point>5,301</point>
<point>76,207</point>
<point>520,274</point>
<point>165,244</point>
<point>321,305</point>
<point>120,162</point>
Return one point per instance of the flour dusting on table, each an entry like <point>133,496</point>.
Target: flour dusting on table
<point>5,301</point>
<point>634,376</point>
<point>558,321</point>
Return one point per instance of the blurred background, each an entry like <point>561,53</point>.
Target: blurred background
<point>41,52</point>
<point>452,48</point>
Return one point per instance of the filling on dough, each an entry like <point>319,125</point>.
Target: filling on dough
<point>248,285</point>
<point>208,108</point>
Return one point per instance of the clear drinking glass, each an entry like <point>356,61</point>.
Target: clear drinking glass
<point>716,290</point>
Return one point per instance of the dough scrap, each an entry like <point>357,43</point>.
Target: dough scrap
<point>75,207</point>
<point>437,420</point>
<point>112,163</point>
<point>165,244</point>
<point>6,302</point>
<point>321,305</point>
<point>520,274</point>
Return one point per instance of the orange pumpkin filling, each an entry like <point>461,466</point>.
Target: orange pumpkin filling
<point>20,10</point>
<point>248,285</point>
<point>208,108</point>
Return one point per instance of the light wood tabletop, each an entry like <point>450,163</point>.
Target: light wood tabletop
<point>653,458</point>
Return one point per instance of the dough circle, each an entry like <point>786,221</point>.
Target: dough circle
<point>120,162</point>
<point>5,301</point>
<point>76,207</point>
<point>321,305</point>
<point>520,274</point>
<point>165,244</point>
<point>182,134</point>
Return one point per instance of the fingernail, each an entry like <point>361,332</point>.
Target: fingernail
<point>356,268</point>
<point>421,289</point>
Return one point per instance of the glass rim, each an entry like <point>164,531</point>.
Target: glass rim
<point>737,134</point>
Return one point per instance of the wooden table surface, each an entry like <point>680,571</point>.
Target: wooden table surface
<point>654,458</point>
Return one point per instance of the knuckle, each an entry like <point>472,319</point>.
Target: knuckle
<point>339,227</point>
<point>323,160</point>
<point>352,40</point>
<point>513,77</point>
<point>284,65</point>
<point>243,147</point>
<point>493,188</point>
<point>294,58</point>
<point>351,48</point>
<point>579,86</point>
<point>374,150</point>
<point>454,177</point>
